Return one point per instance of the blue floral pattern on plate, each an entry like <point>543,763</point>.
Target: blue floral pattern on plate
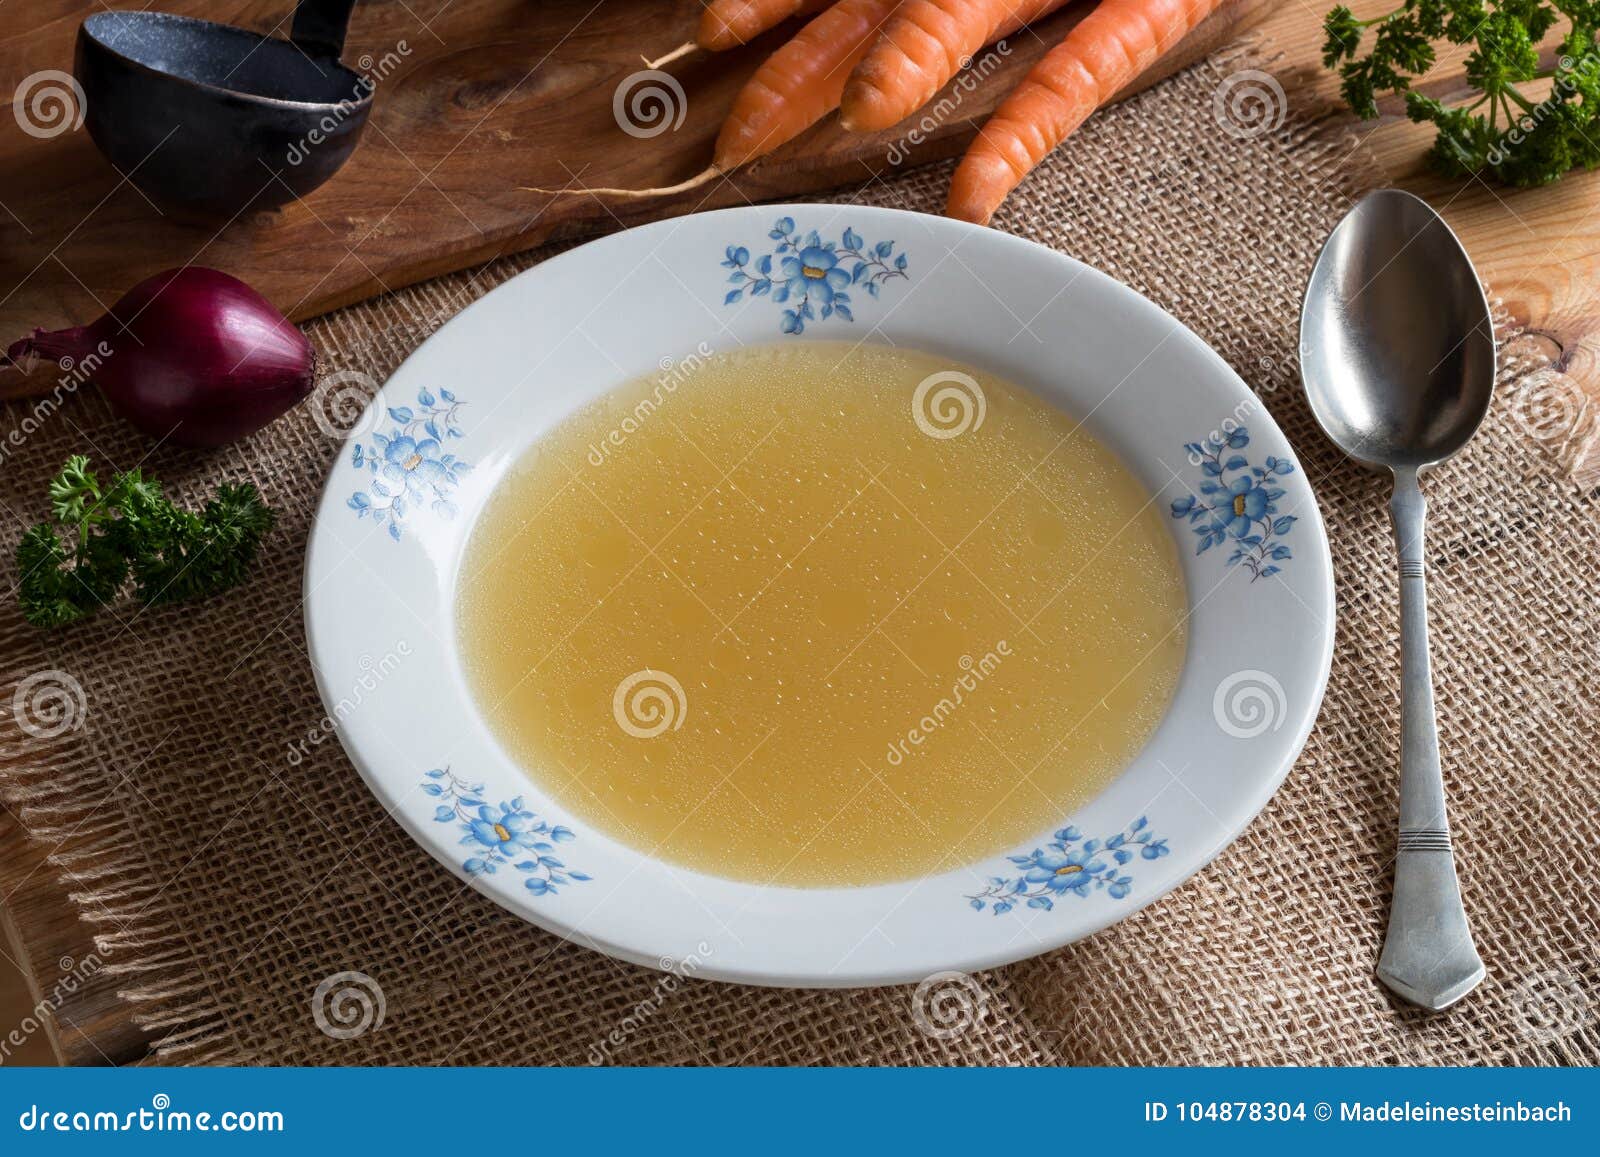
<point>1070,865</point>
<point>1238,502</point>
<point>408,467</point>
<point>501,834</point>
<point>815,277</point>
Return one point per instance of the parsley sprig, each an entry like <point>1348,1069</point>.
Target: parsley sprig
<point>130,529</point>
<point>1504,132</point>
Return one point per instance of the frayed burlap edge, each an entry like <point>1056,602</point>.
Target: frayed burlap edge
<point>56,786</point>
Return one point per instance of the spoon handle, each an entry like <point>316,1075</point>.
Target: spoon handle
<point>1428,957</point>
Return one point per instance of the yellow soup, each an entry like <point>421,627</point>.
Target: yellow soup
<point>819,614</point>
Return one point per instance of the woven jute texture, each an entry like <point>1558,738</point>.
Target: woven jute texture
<point>227,884</point>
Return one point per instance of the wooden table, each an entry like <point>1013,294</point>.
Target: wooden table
<point>1538,249</point>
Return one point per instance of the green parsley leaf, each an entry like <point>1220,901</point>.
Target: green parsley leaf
<point>1503,133</point>
<point>131,529</point>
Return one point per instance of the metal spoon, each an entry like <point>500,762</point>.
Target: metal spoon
<point>1397,355</point>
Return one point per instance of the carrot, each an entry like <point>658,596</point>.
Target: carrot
<point>1109,48</point>
<point>926,44</point>
<point>729,23</point>
<point>1020,14</point>
<point>795,87</point>
<point>801,82</point>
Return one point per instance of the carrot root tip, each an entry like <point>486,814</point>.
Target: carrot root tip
<point>687,48</point>
<point>978,186</point>
<point>684,186</point>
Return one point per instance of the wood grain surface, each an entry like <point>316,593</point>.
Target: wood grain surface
<point>85,1022</point>
<point>492,99</point>
<point>1538,249</point>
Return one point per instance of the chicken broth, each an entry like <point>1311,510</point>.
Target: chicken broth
<point>821,614</point>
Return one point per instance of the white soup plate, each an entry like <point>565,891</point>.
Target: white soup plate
<point>401,501</point>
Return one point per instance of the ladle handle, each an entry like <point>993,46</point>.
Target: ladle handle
<point>1428,956</point>
<point>319,26</point>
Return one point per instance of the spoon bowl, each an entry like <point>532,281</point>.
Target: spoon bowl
<point>208,119</point>
<point>1397,343</point>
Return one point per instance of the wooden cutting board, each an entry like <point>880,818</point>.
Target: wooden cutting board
<point>478,100</point>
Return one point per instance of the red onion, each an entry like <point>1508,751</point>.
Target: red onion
<point>190,355</point>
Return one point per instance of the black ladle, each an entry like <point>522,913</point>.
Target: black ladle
<point>211,119</point>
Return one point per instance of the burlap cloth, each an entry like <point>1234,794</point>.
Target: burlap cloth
<point>226,884</point>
